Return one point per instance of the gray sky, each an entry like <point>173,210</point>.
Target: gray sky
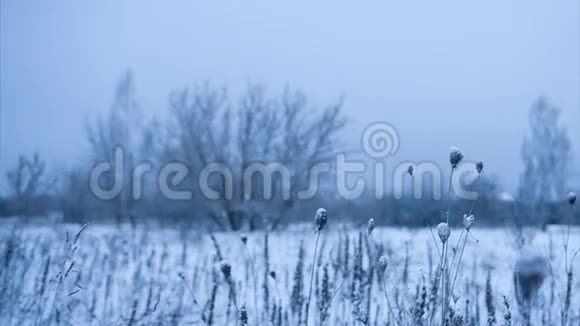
<point>443,72</point>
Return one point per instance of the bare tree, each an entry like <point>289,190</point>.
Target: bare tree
<point>27,182</point>
<point>206,127</point>
<point>196,134</point>
<point>75,201</point>
<point>545,154</point>
<point>121,127</point>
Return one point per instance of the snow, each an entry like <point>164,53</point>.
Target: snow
<point>124,274</point>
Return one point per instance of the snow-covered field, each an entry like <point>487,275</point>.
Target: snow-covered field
<point>143,276</point>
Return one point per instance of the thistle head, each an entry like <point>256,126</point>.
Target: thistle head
<point>410,170</point>
<point>370,226</point>
<point>443,231</point>
<point>479,167</point>
<point>572,198</point>
<point>468,221</point>
<point>226,269</point>
<point>320,219</point>
<point>382,265</point>
<point>455,157</point>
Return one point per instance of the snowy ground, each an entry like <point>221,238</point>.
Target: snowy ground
<point>144,276</point>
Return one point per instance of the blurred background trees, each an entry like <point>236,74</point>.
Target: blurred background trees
<point>546,157</point>
<point>29,187</point>
<point>121,128</point>
<point>206,126</point>
<point>545,154</point>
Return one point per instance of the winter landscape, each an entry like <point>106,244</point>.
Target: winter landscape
<point>289,164</point>
<point>141,276</point>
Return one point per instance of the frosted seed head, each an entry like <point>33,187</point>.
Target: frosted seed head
<point>530,271</point>
<point>371,225</point>
<point>479,167</point>
<point>455,156</point>
<point>443,231</point>
<point>226,268</point>
<point>320,219</point>
<point>382,264</point>
<point>455,297</point>
<point>572,198</point>
<point>244,315</point>
<point>468,221</point>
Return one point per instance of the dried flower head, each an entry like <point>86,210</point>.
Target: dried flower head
<point>455,156</point>
<point>244,315</point>
<point>479,167</point>
<point>410,170</point>
<point>244,238</point>
<point>371,225</point>
<point>320,219</point>
<point>468,221</point>
<point>382,264</point>
<point>455,297</point>
<point>443,231</point>
<point>226,268</point>
<point>572,198</point>
<point>530,271</point>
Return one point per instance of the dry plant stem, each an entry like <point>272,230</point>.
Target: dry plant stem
<point>567,240</point>
<point>69,251</point>
<point>444,254</point>
<point>459,261</point>
<point>255,283</point>
<point>337,290</point>
<point>195,302</point>
<point>473,202</point>
<point>457,246</point>
<point>232,285</point>
<point>449,194</point>
<point>389,301</point>
<point>438,271</point>
<point>278,292</point>
<point>312,277</point>
<point>568,271</point>
<point>464,243</point>
<point>435,241</point>
<point>442,264</point>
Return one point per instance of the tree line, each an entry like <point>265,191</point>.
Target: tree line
<point>206,125</point>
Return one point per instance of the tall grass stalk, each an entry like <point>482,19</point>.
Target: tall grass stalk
<point>193,297</point>
<point>307,307</point>
<point>253,271</point>
<point>449,195</point>
<point>455,157</point>
<point>358,256</point>
<point>443,284</point>
<point>568,270</point>
<point>444,232</point>
<point>467,221</point>
<point>389,306</point>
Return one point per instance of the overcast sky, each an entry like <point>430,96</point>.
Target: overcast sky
<point>443,72</point>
